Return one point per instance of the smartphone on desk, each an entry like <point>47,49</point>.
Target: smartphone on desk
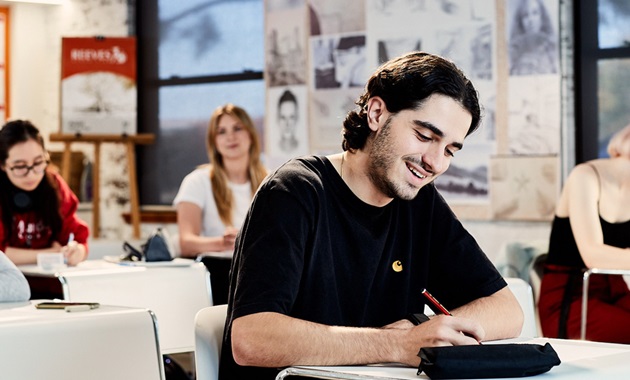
<point>63,305</point>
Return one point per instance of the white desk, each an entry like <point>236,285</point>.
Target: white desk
<point>174,293</point>
<point>101,344</point>
<point>581,360</point>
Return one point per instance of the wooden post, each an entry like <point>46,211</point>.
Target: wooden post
<point>130,141</point>
<point>65,161</point>
<point>96,191</point>
<point>133,188</point>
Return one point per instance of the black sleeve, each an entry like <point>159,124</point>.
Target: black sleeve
<point>269,255</point>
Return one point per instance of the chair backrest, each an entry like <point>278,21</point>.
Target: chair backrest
<point>209,324</point>
<point>523,293</point>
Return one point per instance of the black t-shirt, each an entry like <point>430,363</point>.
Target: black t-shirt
<point>310,249</point>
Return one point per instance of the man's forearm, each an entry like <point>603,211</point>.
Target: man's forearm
<point>276,340</point>
<point>500,314</point>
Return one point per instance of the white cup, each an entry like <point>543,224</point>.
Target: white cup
<point>50,261</point>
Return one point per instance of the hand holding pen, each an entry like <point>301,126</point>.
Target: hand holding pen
<point>73,252</point>
<point>438,308</point>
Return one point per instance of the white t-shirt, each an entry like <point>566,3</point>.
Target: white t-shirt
<point>196,188</point>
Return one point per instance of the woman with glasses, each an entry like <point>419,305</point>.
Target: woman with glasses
<point>37,208</point>
<point>213,199</point>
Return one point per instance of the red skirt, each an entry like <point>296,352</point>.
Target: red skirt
<point>608,317</point>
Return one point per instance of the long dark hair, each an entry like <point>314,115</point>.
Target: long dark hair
<point>404,83</point>
<point>44,200</point>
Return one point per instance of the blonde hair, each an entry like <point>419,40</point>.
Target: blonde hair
<point>619,145</point>
<point>218,177</point>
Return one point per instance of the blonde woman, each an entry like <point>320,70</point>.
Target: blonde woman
<point>213,199</point>
<point>591,229</point>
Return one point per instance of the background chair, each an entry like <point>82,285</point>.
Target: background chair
<point>585,284</point>
<point>525,260</point>
<point>209,324</point>
<point>523,292</point>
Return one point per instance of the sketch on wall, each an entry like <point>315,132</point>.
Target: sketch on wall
<point>279,5</point>
<point>336,17</point>
<point>338,61</point>
<point>524,187</point>
<point>286,123</point>
<point>285,47</point>
<point>533,37</point>
<point>328,110</point>
<point>337,68</point>
<point>534,118</point>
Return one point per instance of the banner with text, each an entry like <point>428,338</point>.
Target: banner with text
<point>98,85</point>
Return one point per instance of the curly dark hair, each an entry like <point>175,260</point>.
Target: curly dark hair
<point>404,83</point>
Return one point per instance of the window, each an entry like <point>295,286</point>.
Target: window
<point>602,69</point>
<point>194,55</point>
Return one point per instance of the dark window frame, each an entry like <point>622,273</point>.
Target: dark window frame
<point>587,55</point>
<point>149,85</point>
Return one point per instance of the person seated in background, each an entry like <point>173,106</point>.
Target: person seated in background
<point>336,250</point>
<point>213,199</point>
<point>37,208</point>
<point>591,229</point>
<point>13,284</point>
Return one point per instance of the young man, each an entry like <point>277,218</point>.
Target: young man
<point>336,250</point>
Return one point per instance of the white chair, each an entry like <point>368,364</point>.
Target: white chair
<point>523,293</point>
<point>209,324</point>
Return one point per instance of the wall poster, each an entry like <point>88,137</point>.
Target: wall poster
<point>98,85</point>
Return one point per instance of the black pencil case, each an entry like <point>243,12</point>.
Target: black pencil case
<point>487,361</point>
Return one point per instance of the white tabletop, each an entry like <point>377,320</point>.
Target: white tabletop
<point>55,344</point>
<point>175,291</point>
<point>580,360</point>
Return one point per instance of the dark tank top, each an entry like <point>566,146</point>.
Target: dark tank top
<point>563,248</point>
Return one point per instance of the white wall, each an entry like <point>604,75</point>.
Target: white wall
<point>36,32</point>
<point>30,65</point>
<point>493,235</point>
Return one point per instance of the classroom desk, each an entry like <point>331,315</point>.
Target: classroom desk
<point>107,343</point>
<point>581,360</point>
<point>174,291</point>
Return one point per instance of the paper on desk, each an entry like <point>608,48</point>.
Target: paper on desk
<point>176,262</point>
<point>571,351</point>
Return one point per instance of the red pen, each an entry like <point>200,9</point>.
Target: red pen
<point>437,307</point>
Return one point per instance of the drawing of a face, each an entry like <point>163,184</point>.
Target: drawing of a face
<point>287,118</point>
<point>532,17</point>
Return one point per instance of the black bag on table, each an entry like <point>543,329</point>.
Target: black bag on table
<point>487,361</point>
<point>157,248</point>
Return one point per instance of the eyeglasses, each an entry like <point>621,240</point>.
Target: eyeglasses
<point>23,170</point>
